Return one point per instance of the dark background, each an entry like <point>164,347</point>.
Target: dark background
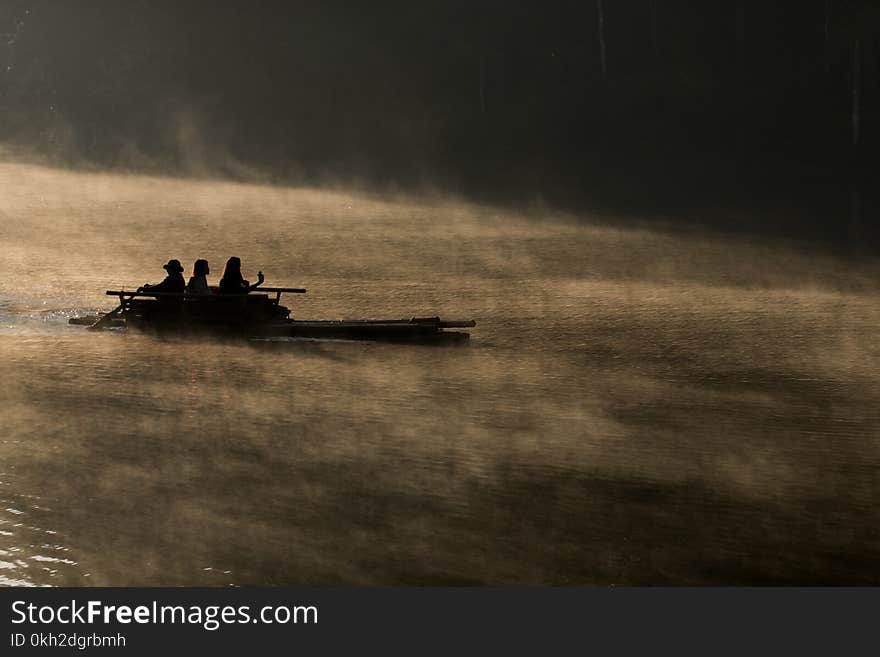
<point>739,114</point>
<point>516,621</point>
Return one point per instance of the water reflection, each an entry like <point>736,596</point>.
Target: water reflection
<point>30,554</point>
<point>628,411</point>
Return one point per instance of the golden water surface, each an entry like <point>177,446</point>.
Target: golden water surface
<point>638,405</point>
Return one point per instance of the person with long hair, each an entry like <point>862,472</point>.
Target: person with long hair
<point>198,282</point>
<point>232,282</point>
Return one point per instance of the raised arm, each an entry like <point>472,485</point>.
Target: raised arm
<point>260,279</point>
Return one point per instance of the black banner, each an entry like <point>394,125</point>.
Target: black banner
<point>408,621</point>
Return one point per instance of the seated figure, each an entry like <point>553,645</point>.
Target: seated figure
<point>173,282</point>
<point>198,282</point>
<point>232,281</point>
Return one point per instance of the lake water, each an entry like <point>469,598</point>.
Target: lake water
<point>636,406</point>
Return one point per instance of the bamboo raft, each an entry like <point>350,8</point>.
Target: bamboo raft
<point>258,314</point>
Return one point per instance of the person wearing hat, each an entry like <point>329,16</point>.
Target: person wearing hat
<point>173,281</point>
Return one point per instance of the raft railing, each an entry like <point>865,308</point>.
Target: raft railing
<point>126,295</point>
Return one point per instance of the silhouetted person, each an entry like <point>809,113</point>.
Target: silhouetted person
<point>198,282</point>
<point>173,281</point>
<point>232,281</point>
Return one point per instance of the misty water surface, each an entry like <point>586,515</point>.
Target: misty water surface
<point>636,406</point>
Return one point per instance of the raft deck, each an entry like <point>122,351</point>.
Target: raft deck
<point>259,315</point>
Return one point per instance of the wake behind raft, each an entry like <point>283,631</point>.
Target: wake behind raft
<point>258,315</point>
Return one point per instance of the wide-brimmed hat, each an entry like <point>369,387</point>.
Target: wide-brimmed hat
<point>173,265</point>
